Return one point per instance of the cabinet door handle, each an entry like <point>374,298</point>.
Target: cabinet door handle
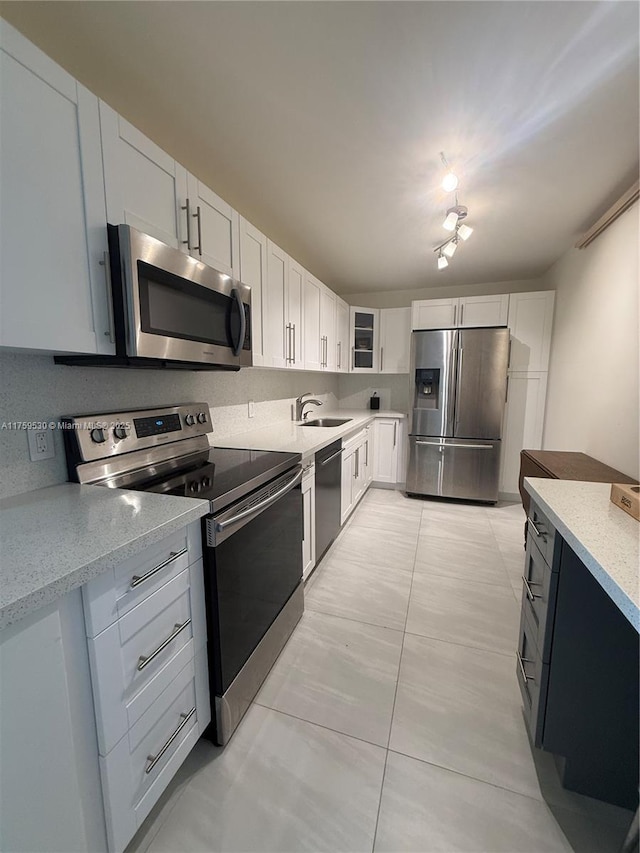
<point>353,357</point>
<point>521,663</point>
<point>289,349</point>
<point>455,311</point>
<point>381,359</point>
<point>339,355</point>
<point>153,759</point>
<point>462,314</point>
<point>509,356</point>
<point>110,333</point>
<point>136,580</point>
<point>145,660</point>
<point>536,530</point>
<point>293,343</point>
<point>366,455</point>
<point>395,429</point>
<point>197,216</point>
<point>186,206</point>
<point>530,593</point>
<point>356,464</point>
<point>506,393</point>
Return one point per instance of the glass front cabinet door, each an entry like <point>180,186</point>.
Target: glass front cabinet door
<point>364,340</point>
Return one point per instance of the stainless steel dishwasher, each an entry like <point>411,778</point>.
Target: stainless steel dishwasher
<point>328,476</point>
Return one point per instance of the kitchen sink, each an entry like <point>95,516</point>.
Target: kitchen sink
<point>327,422</point>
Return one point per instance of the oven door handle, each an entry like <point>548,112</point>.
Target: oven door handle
<point>237,347</point>
<point>254,510</point>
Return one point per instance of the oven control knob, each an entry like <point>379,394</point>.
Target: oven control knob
<point>121,431</point>
<point>202,418</point>
<point>98,436</point>
<point>190,420</point>
<point>206,482</point>
<point>194,487</point>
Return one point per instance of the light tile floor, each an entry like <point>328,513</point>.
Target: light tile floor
<point>391,721</point>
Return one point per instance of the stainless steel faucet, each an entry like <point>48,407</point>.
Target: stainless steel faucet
<point>300,404</point>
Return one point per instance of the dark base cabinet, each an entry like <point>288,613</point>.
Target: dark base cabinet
<point>578,665</point>
<point>593,695</point>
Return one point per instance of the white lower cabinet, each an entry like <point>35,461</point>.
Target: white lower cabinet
<point>388,457</point>
<point>308,518</point>
<point>146,629</point>
<point>356,471</point>
<point>49,767</point>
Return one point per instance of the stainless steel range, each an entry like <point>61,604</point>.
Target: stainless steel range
<point>251,537</point>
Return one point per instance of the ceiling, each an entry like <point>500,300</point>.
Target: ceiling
<point>322,122</point>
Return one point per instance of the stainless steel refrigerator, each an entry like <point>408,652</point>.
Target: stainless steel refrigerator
<point>458,387</point>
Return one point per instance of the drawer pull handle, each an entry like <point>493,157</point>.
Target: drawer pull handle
<point>521,663</point>
<point>153,759</point>
<point>146,660</point>
<point>537,530</point>
<point>136,580</point>
<point>530,593</point>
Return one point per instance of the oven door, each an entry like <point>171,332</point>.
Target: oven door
<point>175,307</point>
<point>253,566</point>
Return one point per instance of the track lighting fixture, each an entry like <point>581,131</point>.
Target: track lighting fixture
<point>453,221</point>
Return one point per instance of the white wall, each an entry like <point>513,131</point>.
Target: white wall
<point>592,396</point>
<point>403,298</point>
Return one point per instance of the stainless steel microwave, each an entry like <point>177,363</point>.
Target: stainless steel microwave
<point>171,310</point>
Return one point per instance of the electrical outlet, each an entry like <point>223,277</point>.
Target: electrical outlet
<point>252,408</point>
<point>40,444</point>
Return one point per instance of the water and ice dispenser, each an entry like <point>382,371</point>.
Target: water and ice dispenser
<point>427,390</point>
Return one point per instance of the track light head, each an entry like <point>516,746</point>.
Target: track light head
<point>454,215</point>
<point>450,248</point>
<point>449,182</point>
<point>464,232</point>
<point>443,263</point>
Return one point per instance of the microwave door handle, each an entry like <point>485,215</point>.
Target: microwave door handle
<point>237,348</point>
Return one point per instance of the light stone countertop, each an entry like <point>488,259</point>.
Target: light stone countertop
<point>604,537</point>
<point>292,436</point>
<point>56,539</point>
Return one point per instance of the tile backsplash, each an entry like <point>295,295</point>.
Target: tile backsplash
<point>33,388</point>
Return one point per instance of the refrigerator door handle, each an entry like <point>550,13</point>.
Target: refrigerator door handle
<point>458,379</point>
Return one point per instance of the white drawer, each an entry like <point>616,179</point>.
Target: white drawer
<point>131,654</point>
<point>111,595</point>
<point>129,791</point>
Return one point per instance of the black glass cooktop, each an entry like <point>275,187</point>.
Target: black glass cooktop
<point>220,475</point>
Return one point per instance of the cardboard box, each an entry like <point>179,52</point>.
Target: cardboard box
<point>627,498</point>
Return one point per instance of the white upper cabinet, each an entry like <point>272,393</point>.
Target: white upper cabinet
<point>434,313</point>
<point>313,345</point>
<point>342,336</point>
<point>295,297</point>
<point>365,348</point>
<point>530,323</point>
<point>214,228</point>
<point>282,310</point>
<point>319,325</point>
<point>253,272</point>
<point>145,187</point>
<point>395,335</point>
<point>483,310</point>
<point>53,288</point>
<point>458,312</point>
<point>328,327</point>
